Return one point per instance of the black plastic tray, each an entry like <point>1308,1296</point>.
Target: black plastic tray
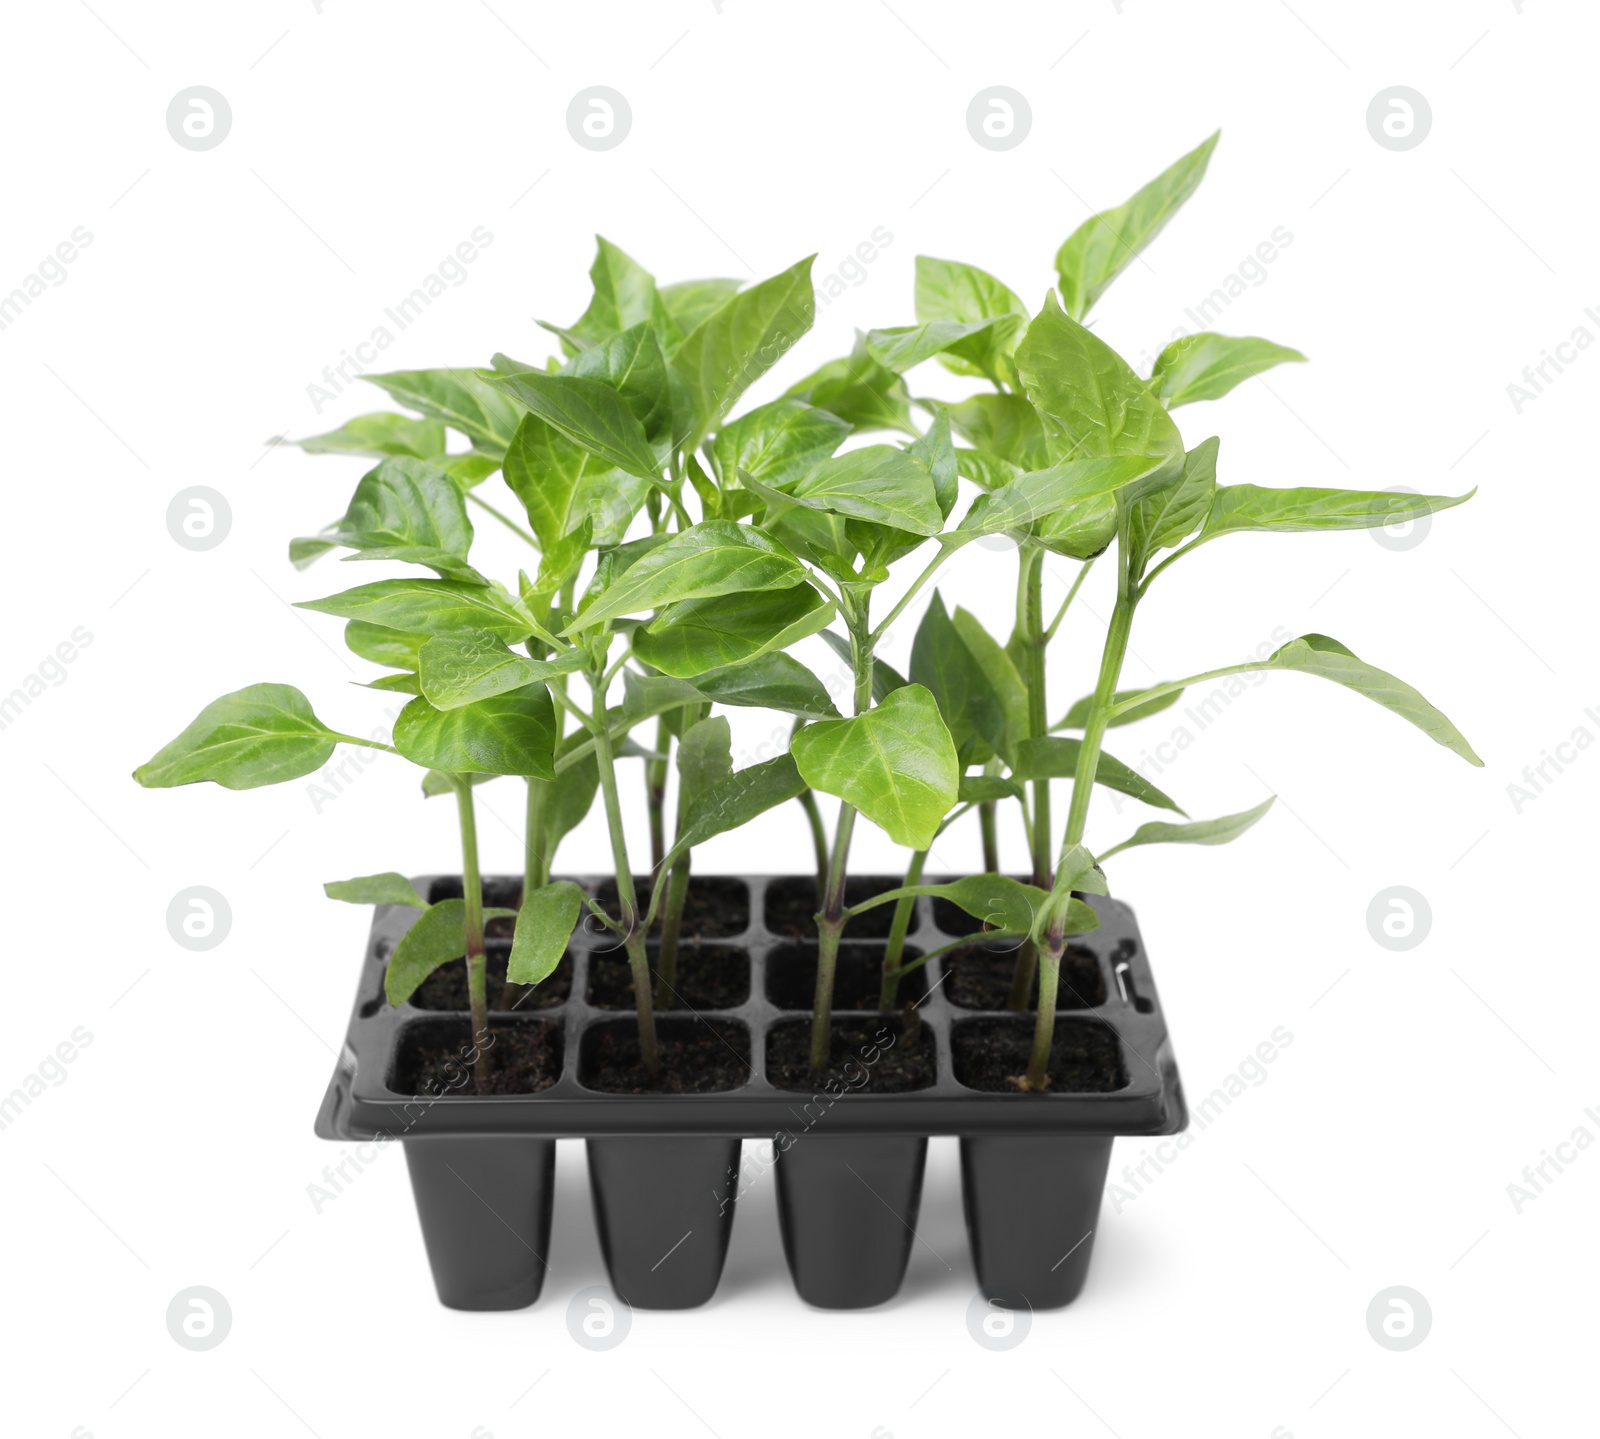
<point>360,1104</point>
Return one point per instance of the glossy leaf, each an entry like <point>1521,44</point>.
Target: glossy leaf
<point>950,290</point>
<point>1056,758</point>
<point>779,442</point>
<point>1004,425</point>
<point>379,434</point>
<point>263,734</point>
<point>1204,831</point>
<point>880,483</point>
<point>942,664</point>
<point>387,888</point>
<point>715,557</point>
<point>1236,508</point>
<point>512,733</point>
<point>907,346</point>
<point>1330,660</point>
<point>1004,682</point>
<point>896,764</point>
<point>737,800</point>
<point>705,759</point>
<point>1078,716</point>
<point>1000,902</point>
<point>624,296</point>
<point>688,302</point>
<point>430,607</point>
<point>987,788</point>
<point>632,364</point>
<point>544,926</point>
<point>1040,493</point>
<point>1106,244</point>
<point>460,669</point>
<point>407,510</point>
<point>384,646</point>
<point>1091,402</point>
<point>1206,366</point>
<point>859,391</point>
<point>561,484</point>
<point>741,340</point>
<point>438,936</point>
<point>770,681</point>
<point>589,413</point>
<point>461,399</point>
<point>693,636</point>
<point>1170,516</point>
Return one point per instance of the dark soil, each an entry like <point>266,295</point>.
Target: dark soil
<point>709,977</point>
<point>698,1056</point>
<point>792,906</point>
<point>992,1055</point>
<point>435,1057</point>
<point>497,894</point>
<point>980,978</point>
<point>714,908</point>
<point>446,987</point>
<point>879,1056</point>
<point>857,979</point>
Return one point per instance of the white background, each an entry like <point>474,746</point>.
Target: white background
<point>1227,1298</point>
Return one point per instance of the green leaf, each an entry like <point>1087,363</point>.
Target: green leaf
<point>1054,758</point>
<point>943,665</point>
<point>1000,902</point>
<point>382,433</point>
<point>1078,716</point>
<point>906,346</point>
<point>1170,516</point>
<point>460,669</point>
<point>885,679</point>
<point>688,302</point>
<point>430,607</point>
<point>693,636</point>
<point>589,413</point>
<point>559,565</point>
<point>461,399</point>
<point>384,646</point>
<point>1236,508</point>
<point>1003,425</point>
<point>950,290</point>
<point>1105,244</point>
<point>1204,831</point>
<point>624,296</point>
<point>633,365</point>
<point>405,683</point>
<point>987,471</point>
<point>705,759</point>
<point>544,925</point>
<point>741,340</point>
<point>715,557</point>
<point>779,442</point>
<point>570,795</point>
<point>859,391</point>
<point>1041,493</point>
<point>437,782</point>
<point>1206,366</point>
<point>387,888</point>
<point>736,801</point>
<point>645,696</point>
<point>987,788</point>
<point>936,453</point>
<point>771,681</point>
<point>262,734</point>
<point>561,484</point>
<point>896,764</point>
<point>1003,680</point>
<point>1080,530</point>
<point>1091,402</point>
<point>880,483</point>
<point>512,733</point>
<point>410,511</point>
<point>438,936</point>
<point>1330,660</point>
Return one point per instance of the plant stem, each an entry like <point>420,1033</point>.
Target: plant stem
<point>655,787</point>
<point>819,841</point>
<point>830,922</point>
<point>633,934</point>
<point>1111,660</point>
<point>897,933</point>
<point>472,893</point>
<point>671,925</point>
<point>1034,636</point>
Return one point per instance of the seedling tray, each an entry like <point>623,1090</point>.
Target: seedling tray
<point>361,1102</point>
<point>665,1169</point>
